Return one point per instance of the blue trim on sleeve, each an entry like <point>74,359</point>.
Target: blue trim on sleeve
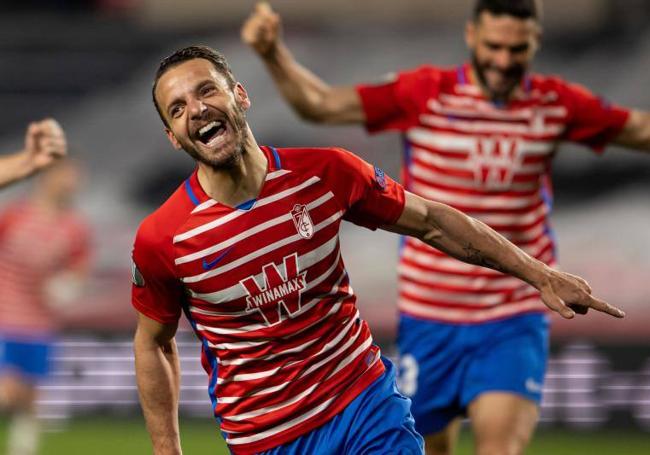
<point>460,74</point>
<point>276,156</point>
<point>190,192</point>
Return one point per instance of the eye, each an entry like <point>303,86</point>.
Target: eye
<point>175,111</point>
<point>206,90</point>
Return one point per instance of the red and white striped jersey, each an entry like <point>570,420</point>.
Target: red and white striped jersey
<point>265,289</point>
<point>491,162</point>
<point>35,245</point>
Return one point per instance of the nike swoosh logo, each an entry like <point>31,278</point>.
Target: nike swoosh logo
<point>210,265</point>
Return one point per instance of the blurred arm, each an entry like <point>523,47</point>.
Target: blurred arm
<point>636,132</point>
<point>308,95</point>
<point>471,241</point>
<point>157,371</point>
<point>44,143</point>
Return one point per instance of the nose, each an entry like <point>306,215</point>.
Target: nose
<point>503,59</point>
<point>196,108</point>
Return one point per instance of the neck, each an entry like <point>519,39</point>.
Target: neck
<point>237,184</point>
<point>475,80</point>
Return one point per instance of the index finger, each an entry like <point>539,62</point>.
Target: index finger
<point>604,307</point>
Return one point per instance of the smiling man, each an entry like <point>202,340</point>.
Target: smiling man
<point>479,137</point>
<point>247,247</point>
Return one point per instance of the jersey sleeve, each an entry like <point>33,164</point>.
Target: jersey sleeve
<point>368,196</point>
<point>592,120</point>
<point>396,103</point>
<point>156,292</point>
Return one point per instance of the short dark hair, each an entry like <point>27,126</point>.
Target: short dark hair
<point>190,53</point>
<point>522,9</point>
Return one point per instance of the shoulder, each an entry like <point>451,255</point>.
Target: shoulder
<point>157,230</point>
<point>555,88</point>
<point>314,159</point>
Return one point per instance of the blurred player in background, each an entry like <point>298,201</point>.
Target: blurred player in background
<point>479,137</point>
<point>44,144</point>
<point>247,247</point>
<point>44,246</point>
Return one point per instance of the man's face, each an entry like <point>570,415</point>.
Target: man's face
<point>205,117</point>
<point>502,49</point>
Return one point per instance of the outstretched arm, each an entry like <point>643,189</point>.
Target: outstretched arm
<point>469,240</point>
<point>636,132</point>
<point>308,95</point>
<point>157,371</point>
<point>44,143</point>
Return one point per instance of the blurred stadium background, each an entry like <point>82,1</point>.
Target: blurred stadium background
<point>90,65</point>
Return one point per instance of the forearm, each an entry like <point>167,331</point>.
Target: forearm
<point>636,132</point>
<point>472,241</point>
<point>14,167</point>
<point>157,371</point>
<point>301,88</point>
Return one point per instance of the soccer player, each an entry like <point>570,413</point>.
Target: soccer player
<point>44,143</point>
<point>247,248</point>
<point>479,137</point>
<point>43,262</point>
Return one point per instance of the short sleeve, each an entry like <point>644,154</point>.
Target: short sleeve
<point>396,103</point>
<point>369,197</point>
<point>592,120</point>
<point>156,292</point>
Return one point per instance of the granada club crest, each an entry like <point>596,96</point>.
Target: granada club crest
<point>302,221</point>
<point>280,295</point>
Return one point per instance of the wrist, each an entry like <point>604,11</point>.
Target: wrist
<point>540,275</point>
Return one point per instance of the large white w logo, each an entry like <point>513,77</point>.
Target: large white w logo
<point>495,160</point>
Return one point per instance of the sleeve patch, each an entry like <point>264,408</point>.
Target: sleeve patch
<point>380,178</point>
<point>136,276</point>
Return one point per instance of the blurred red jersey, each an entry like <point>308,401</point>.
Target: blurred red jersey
<point>35,245</point>
<point>266,291</point>
<point>489,161</point>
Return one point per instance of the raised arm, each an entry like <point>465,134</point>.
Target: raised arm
<point>44,143</point>
<point>636,132</point>
<point>157,372</point>
<point>469,240</point>
<point>311,98</point>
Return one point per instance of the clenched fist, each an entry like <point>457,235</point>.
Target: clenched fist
<point>262,30</point>
<point>44,143</point>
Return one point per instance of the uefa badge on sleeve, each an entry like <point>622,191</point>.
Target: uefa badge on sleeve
<point>136,276</point>
<point>380,178</point>
<point>302,221</point>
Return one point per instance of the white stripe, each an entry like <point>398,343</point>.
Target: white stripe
<point>261,252</point>
<point>429,175</point>
<point>445,141</point>
<point>473,315</point>
<point>514,219</point>
<point>239,345</point>
<point>231,216</point>
<point>467,165</point>
<point>468,298</point>
<point>490,127</point>
<point>250,232</point>
<point>244,360</point>
<point>475,202</point>
<point>291,423</point>
<point>262,374</point>
<point>469,283</point>
<point>204,205</point>
<point>471,107</point>
<point>275,174</point>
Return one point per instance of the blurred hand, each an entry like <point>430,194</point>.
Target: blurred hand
<point>44,143</point>
<point>569,294</point>
<point>262,30</point>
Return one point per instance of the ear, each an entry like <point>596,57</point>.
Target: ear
<point>242,96</point>
<point>172,139</point>
<point>470,34</point>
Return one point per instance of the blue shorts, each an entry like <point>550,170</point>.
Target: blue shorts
<point>29,358</point>
<point>376,422</point>
<point>443,367</point>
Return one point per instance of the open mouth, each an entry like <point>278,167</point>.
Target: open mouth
<point>210,131</point>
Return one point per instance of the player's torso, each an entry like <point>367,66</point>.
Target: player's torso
<point>268,294</point>
<point>34,246</point>
<point>492,163</point>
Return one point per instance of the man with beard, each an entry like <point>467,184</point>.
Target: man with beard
<point>479,137</point>
<point>247,247</point>
<point>44,143</point>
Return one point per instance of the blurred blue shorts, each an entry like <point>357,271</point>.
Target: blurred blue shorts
<point>443,367</point>
<point>377,422</point>
<point>29,358</point>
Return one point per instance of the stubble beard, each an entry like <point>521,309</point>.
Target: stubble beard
<point>516,74</point>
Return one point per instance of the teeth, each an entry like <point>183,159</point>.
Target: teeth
<point>208,127</point>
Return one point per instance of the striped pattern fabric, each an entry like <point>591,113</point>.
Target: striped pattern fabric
<point>35,245</point>
<point>266,291</point>
<point>489,161</point>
